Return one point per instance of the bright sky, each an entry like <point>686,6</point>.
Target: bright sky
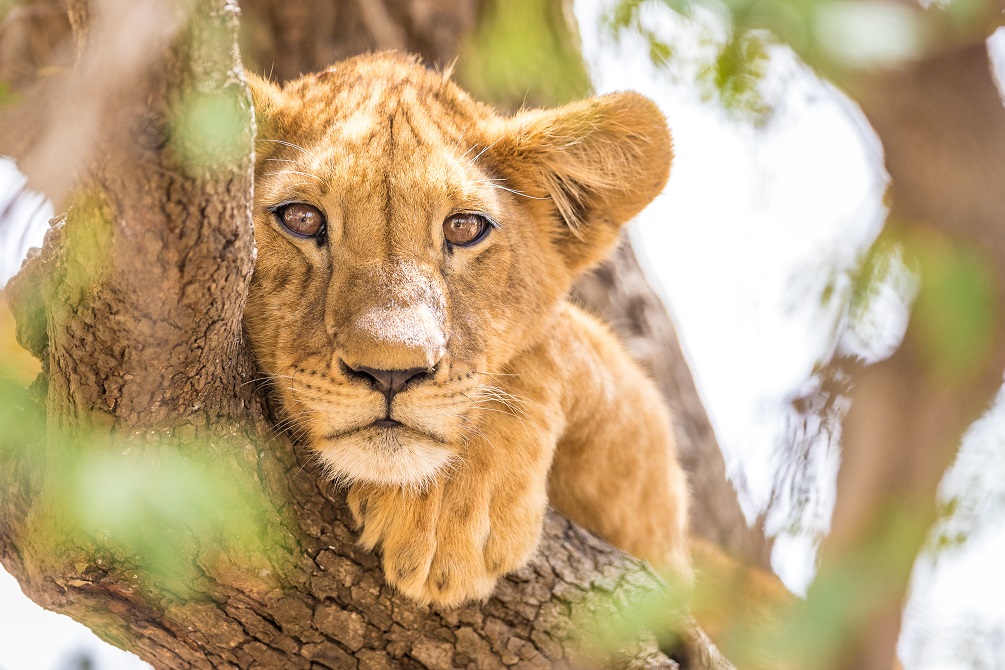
<point>740,244</point>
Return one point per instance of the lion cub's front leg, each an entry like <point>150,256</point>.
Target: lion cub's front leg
<point>448,542</point>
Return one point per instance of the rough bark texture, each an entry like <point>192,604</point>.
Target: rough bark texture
<point>942,126</point>
<point>134,307</point>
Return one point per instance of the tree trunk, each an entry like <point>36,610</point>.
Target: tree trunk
<point>942,126</point>
<point>134,307</point>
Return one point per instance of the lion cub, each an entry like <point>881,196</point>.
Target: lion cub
<point>415,249</point>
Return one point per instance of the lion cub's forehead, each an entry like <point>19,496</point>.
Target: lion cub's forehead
<point>375,99</point>
<point>385,117</point>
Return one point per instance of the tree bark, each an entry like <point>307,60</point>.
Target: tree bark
<point>134,307</point>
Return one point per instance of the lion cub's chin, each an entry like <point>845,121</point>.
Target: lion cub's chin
<point>389,457</point>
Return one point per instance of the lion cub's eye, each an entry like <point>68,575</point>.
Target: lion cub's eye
<point>301,219</point>
<point>462,230</point>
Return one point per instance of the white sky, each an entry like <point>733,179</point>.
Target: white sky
<point>32,638</point>
<point>15,240</point>
<point>740,244</point>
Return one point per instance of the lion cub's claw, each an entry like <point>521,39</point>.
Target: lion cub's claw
<point>442,546</point>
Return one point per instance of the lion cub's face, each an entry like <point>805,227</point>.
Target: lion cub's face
<point>411,243</point>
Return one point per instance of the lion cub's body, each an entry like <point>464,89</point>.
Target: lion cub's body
<point>449,473</point>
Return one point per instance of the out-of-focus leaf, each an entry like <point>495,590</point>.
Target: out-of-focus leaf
<point>521,51</point>
<point>958,305</point>
<point>164,512</point>
<point>737,73</point>
<point>727,66</point>
<point>23,422</point>
<point>836,37</point>
<point>159,512</point>
<point>158,508</point>
<point>210,128</point>
<point>605,622</point>
<point>812,632</point>
<point>863,34</point>
<point>7,96</point>
<point>88,243</point>
<point>883,290</point>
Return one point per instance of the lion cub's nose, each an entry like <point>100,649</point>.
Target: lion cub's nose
<point>387,382</point>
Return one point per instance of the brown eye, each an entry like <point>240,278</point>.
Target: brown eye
<point>301,219</point>
<point>463,230</point>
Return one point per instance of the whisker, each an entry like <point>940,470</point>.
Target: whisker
<point>286,144</point>
<point>306,174</point>
<point>265,377</point>
<point>286,160</point>
<point>514,191</point>
<point>470,162</point>
<point>516,398</point>
<point>514,405</point>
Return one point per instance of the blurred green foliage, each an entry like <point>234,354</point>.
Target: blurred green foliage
<point>151,509</point>
<point>156,508</point>
<point>812,632</point>
<point>7,95</point>
<point>727,67</point>
<point>523,52</point>
<point>210,118</point>
<point>210,128</point>
<point>836,37</point>
<point>607,622</point>
<point>958,308</point>
<point>88,229</point>
<point>751,628</point>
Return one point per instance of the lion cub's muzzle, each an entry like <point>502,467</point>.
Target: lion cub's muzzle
<point>388,383</point>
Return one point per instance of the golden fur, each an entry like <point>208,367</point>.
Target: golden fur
<point>527,399</point>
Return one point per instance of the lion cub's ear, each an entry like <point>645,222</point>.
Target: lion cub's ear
<point>599,161</point>
<point>267,97</point>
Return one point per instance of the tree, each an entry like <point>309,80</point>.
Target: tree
<point>134,308</point>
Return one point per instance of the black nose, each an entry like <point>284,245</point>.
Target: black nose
<point>387,382</point>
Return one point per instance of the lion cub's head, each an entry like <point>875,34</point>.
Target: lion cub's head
<point>412,242</point>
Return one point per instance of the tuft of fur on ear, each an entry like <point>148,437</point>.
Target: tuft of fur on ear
<point>599,161</point>
<point>266,96</point>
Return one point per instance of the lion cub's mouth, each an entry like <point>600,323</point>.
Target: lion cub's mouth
<point>386,427</point>
<point>385,451</point>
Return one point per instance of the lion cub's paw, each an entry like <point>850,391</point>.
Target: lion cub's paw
<point>450,543</point>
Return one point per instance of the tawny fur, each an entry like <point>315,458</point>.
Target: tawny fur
<point>532,400</point>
